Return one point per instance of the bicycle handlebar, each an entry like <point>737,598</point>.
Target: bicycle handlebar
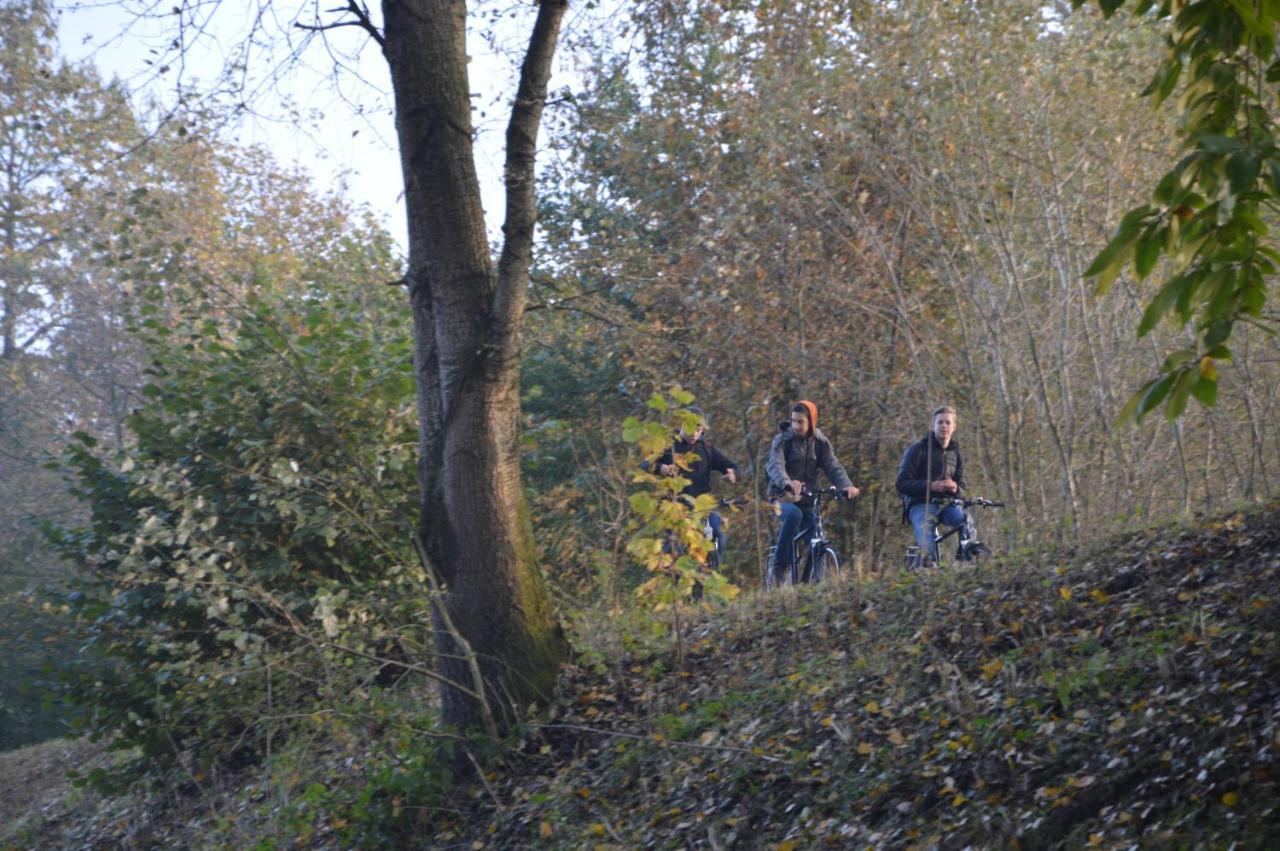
<point>820,492</point>
<point>967,502</point>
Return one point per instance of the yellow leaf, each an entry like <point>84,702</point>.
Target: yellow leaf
<point>1231,799</point>
<point>1065,592</point>
<point>895,736</point>
<point>991,669</point>
<point>584,792</point>
<point>1100,596</point>
<point>1095,839</point>
<point>872,707</point>
<point>597,829</point>
<point>544,830</point>
<point>826,722</point>
<point>864,748</point>
<point>959,801</point>
<point>785,845</point>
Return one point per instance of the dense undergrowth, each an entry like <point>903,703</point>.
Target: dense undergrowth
<point>1117,697</point>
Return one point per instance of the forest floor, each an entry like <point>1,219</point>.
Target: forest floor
<point>1121,696</point>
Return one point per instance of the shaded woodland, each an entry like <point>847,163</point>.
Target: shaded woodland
<point>239,426</point>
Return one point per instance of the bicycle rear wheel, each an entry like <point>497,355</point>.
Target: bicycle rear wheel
<point>826,567</point>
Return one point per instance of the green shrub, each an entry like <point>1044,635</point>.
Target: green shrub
<point>249,559</point>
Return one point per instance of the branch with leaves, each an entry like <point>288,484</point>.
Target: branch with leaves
<point>1209,214</point>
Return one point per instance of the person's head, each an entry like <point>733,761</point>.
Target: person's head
<point>944,424</point>
<point>698,429</point>
<point>804,418</point>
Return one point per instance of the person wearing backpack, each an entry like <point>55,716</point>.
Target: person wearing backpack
<point>798,453</point>
<point>931,468</point>
<point>701,459</point>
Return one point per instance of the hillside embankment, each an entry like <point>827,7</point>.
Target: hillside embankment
<point>1122,696</point>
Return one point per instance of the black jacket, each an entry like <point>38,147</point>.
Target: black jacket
<point>793,458</point>
<point>925,461</point>
<point>702,461</point>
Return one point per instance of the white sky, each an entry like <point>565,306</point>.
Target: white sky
<point>346,126</point>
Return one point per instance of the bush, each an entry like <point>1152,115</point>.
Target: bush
<point>249,560</point>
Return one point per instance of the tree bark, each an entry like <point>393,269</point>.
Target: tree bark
<point>474,527</point>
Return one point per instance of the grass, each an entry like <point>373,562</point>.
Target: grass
<point>1124,695</point>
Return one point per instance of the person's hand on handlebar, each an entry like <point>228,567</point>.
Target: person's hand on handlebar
<point>732,476</point>
<point>850,492</point>
<point>946,486</point>
<point>796,488</point>
<point>667,469</point>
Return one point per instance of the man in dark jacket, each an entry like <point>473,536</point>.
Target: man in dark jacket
<point>799,451</point>
<point>932,468</point>
<point>700,459</point>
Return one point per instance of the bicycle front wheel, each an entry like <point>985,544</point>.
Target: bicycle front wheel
<point>826,567</point>
<point>771,578</point>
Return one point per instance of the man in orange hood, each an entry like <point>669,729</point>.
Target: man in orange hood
<point>798,453</point>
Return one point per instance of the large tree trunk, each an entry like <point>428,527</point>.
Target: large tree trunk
<point>467,315</point>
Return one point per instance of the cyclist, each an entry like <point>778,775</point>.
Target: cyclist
<point>933,467</point>
<point>701,459</point>
<point>798,452</point>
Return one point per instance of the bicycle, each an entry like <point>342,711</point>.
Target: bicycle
<point>968,547</point>
<point>821,559</point>
<point>712,563</point>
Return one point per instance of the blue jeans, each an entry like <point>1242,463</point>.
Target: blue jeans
<point>925,517</point>
<point>795,521</point>
<point>717,531</point>
<point>717,528</point>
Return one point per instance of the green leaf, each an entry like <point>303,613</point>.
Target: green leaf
<point>1206,391</point>
<point>1253,299</point>
<point>1218,144</point>
<point>1218,352</point>
<point>1179,395</point>
<point>1244,10</point>
<point>657,403</point>
<point>1160,305</point>
<point>643,504</point>
<point>1130,409</point>
<point>1155,395</point>
<point>1242,170</point>
<point>632,429</point>
<point>1177,359</point>
<point>1147,252</point>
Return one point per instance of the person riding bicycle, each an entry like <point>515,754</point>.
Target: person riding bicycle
<point>933,468</point>
<point>798,452</point>
<point>701,459</point>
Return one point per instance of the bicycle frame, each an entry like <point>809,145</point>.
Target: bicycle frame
<point>966,532</point>
<point>817,541</point>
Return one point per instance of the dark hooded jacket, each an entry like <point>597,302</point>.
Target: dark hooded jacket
<point>795,458</point>
<point>707,459</point>
<point>925,461</point>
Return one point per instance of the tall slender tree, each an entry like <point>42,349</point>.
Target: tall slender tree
<point>496,623</point>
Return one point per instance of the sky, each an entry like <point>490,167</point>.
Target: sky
<point>329,114</point>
